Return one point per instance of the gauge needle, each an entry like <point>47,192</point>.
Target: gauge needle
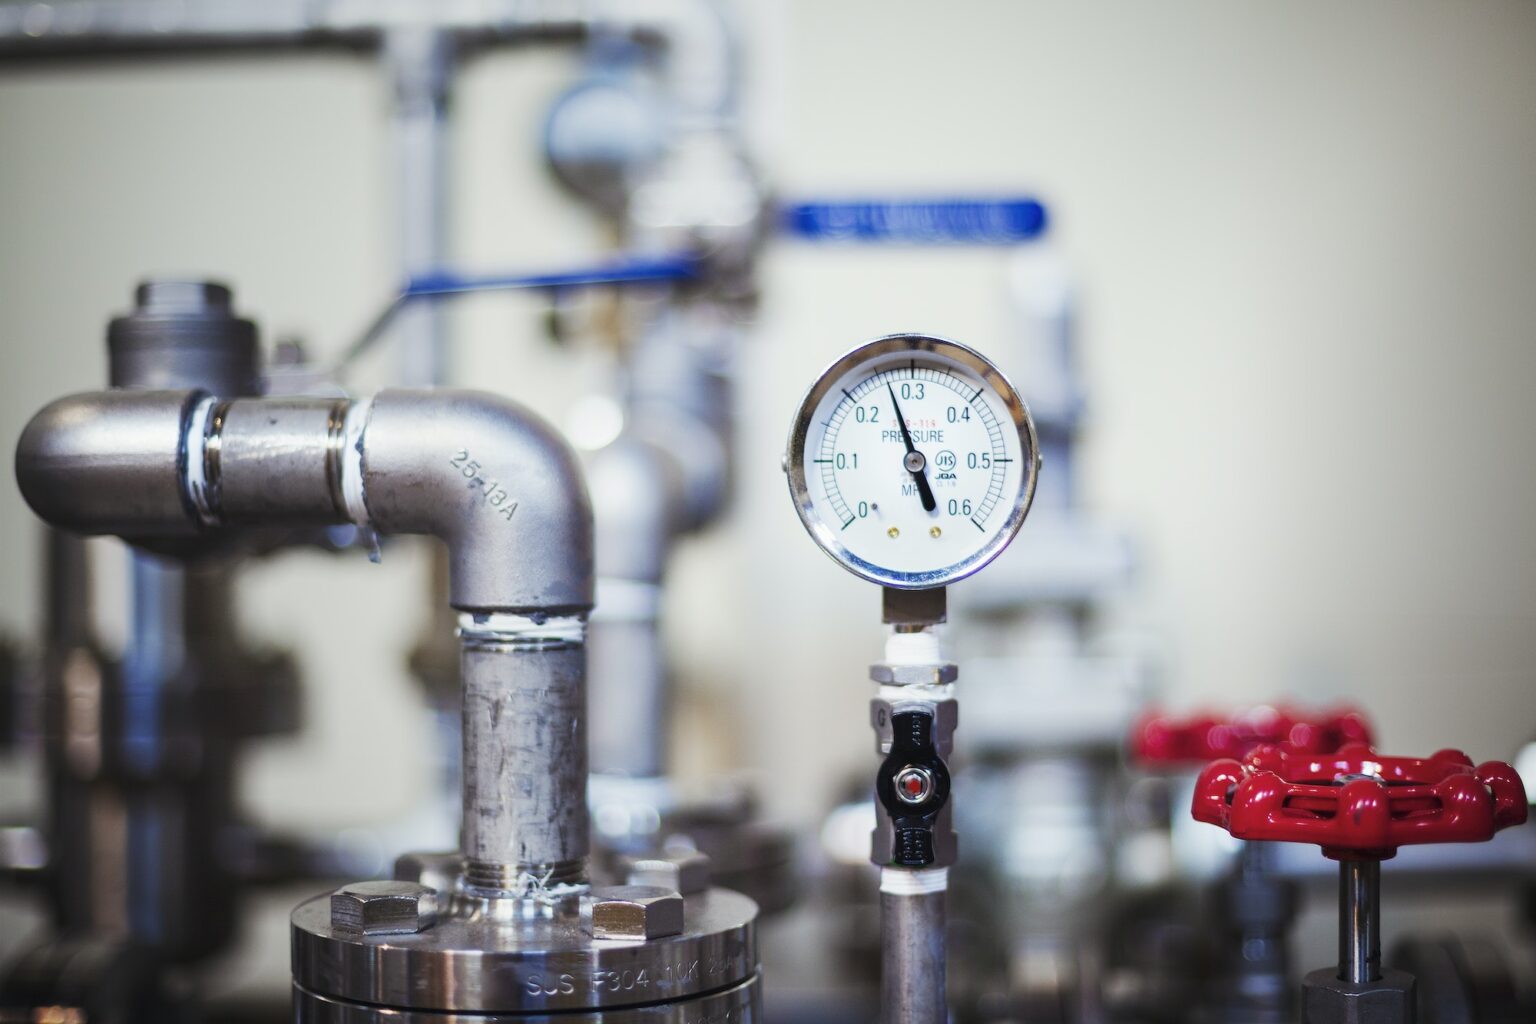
<point>914,460</point>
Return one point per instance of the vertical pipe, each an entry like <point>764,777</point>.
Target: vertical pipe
<point>912,989</point>
<point>629,686</point>
<point>421,60</point>
<point>525,760</point>
<point>67,594</point>
<point>155,658</point>
<point>1359,921</point>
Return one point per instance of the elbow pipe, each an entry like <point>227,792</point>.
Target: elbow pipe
<point>488,478</point>
<point>493,481</point>
<point>653,483</point>
<point>638,490</point>
<point>481,473</point>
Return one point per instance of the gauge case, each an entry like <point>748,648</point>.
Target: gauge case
<point>927,351</point>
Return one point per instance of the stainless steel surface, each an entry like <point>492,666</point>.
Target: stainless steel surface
<point>739,1004</point>
<point>913,785</point>
<point>272,461</point>
<point>825,534</point>
<point>421,61</point>
<point>183,334</point>
<point>912,983</point>
<point>109,462</point>
<point>484,956</point>
<point>493,481</point>
<point>142,755</point>
<point>665,475</point>
<point>913,675</point>
<point>482,473</point>
<point>686,871</point>
<point>634,912</point>
<point>637,489</point>
<point>525,765</point>
<point>1359,921</point>
<point>383,908</point>
<point>629,692</point>
<point>438,870</point>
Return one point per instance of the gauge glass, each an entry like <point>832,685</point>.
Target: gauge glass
<point>912,461</point>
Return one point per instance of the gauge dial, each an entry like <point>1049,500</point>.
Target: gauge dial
<point>912,461</point>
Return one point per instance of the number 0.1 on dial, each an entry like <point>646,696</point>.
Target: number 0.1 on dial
<point>912,461</point>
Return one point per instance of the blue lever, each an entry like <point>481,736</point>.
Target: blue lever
<point>627,270</point>
<point>938,221</point>
<point>441,283</point>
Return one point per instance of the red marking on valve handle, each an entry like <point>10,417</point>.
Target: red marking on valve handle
<point>913,785</point>
<point>1166,740</point>
<point>1357,804</point>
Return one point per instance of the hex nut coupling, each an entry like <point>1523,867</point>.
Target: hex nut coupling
<point>887,674</point>
<point>632,912</point>
<point>383,908</point>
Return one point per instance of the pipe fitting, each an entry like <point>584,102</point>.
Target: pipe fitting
<point>481,473</point>
<point>500,488</point>
<point>110,462</point>
<point>497,484</point>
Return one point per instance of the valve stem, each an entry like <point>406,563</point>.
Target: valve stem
<point>1359,921</point>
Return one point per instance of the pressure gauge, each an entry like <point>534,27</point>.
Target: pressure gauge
<point>912,461</point>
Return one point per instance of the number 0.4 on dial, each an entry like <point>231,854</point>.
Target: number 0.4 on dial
<point>912,461</point>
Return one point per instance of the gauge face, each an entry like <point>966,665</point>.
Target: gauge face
<point>912,461</point>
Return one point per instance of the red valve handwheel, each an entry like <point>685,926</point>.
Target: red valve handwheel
<point>1197,740</point>
<point>1357,804</point>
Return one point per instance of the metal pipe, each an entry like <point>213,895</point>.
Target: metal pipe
<point>421,60</point>
<point>524,736</point>
<point>628,672</point>
<point>912,941</point>
<point>637,498</point>
<point>666,474</point>
<point>1359,921</point>
<point>492,481</point>
<point>109,462</point>
<point>67,595</point>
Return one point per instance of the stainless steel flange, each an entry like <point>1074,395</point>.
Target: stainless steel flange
<point>478,959</point>
<point>740,1004</point>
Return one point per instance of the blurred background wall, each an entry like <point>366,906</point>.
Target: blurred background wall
<point>1305,237</point>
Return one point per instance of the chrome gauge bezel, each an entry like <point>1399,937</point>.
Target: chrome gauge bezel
<point>821,529</point>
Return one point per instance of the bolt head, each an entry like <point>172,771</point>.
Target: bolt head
<point>383,908</point>
<point>440,871</point>
<point>632,912</point>
<point>913,785</point>
<point>686,871</point>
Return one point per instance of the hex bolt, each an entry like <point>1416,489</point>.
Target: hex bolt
<point>438,871</point>
<point>913,784</point>
<point>686,871</point>
<point>383,908</point>
<point>633,912</point>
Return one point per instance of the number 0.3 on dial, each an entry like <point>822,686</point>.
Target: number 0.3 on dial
<point>912,461</point>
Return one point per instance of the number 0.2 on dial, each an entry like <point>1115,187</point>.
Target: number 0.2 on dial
<point>912,461</point>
